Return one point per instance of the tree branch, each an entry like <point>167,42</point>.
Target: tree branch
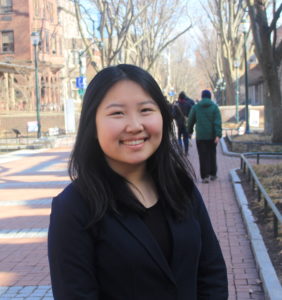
<point>275,18</point>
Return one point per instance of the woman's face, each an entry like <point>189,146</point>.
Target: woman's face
<point>129,125</point>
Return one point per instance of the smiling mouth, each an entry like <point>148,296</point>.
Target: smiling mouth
<point>134,142</point>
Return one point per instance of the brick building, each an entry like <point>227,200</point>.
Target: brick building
<point>53,20</point>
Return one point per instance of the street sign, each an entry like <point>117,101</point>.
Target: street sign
<point>32,126</point>
<point>81,92</point>
<point>80,82</point>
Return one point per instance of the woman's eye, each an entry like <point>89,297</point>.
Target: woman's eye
<point>147,109</point>
<point>117,113</point>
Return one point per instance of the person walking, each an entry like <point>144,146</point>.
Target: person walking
<point>132,225</point>
<point>181,113</point>
<point>207,117</point>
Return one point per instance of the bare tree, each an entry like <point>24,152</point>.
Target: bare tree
<point>269,56</point>
<point>132,31</point>
<point>185,72</point>
<point>209,59</point>
<point>108,28</point>
<point>226,16</point>
<point>154,29</point>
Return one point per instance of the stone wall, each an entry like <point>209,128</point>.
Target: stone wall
<point>19,121</point>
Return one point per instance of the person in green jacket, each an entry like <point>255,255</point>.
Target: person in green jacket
<point>206,116</point>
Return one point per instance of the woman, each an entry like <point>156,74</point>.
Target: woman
<point>132,224</point>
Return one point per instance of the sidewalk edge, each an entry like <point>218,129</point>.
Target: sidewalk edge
<point>271,283</point>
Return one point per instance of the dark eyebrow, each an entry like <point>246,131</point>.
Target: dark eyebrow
<point>140,103</point>
<point>148,102</point>
<point>114,105</point>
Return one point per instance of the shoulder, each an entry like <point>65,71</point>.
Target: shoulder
<point>69,195</point>
<point>191,102</point>
<point>196,107</point>
<point>70,203</point>
<point>198,202</point>
<point>215,107</point>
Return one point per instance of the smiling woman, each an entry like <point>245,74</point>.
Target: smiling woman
<point>129,127</point>
<point>132,224</point>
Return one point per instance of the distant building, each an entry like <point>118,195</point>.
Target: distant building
<point>57,54</point>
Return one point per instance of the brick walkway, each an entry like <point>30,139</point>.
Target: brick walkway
<point>26,187</point>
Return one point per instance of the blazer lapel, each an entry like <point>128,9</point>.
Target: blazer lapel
<point>139,230</point>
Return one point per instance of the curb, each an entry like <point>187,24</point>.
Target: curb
<point>271,283</point>
<point>225,149</point>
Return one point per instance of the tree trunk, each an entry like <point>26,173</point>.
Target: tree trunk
<point>277,130</point>
<point>267,111</point>
<point>230,92</point>
<point>270,75</point>
<point>266,56</point>
<point>275,96</point>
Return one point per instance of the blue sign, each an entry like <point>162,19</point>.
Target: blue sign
<point>80,82</point>
<point>171,93</point>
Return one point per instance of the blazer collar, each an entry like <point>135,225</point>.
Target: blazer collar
<point>140,231</point>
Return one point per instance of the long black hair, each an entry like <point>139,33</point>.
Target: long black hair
<point>101,186</point>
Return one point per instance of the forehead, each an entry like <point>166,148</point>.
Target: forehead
<point>126,90</point>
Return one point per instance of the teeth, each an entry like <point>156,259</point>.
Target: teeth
<point>131,143</point>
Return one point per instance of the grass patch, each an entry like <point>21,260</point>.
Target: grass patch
<point>271,178</point>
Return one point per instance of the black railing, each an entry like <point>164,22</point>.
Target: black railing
<point>269,205</point>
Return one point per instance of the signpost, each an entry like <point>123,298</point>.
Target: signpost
<point>69,113</point>
<point>81,83</point>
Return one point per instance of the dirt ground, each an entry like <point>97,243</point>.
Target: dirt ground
<point>271,179</point>
<point>274,245</point>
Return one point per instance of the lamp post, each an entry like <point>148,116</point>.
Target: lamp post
<point>236,65</point>
<point>35,39</point>
<point>245,30</point>
<point>222,88</point>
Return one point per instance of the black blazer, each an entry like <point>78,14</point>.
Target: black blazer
<point>119,259</point>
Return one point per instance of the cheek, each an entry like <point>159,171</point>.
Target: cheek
<point>155,126</point>
<point>107,130</point>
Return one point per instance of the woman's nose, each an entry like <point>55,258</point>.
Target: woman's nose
<point>134,124</point>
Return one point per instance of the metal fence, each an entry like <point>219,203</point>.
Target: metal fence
<point>269,205</point>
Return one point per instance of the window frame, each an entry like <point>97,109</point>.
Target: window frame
<point>2,43</point>
<point>6,9</point>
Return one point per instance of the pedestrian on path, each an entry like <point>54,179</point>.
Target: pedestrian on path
<point>181,110</point>
<point>206,116</point>
<point>132,224</point>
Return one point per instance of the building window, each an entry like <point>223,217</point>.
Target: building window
<point>36,8</point>
<point>54,43</point>
<point>47,42</point>
<point>7,42</point>
<point>6,6</point>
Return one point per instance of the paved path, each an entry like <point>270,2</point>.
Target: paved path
<point>28,183</point>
